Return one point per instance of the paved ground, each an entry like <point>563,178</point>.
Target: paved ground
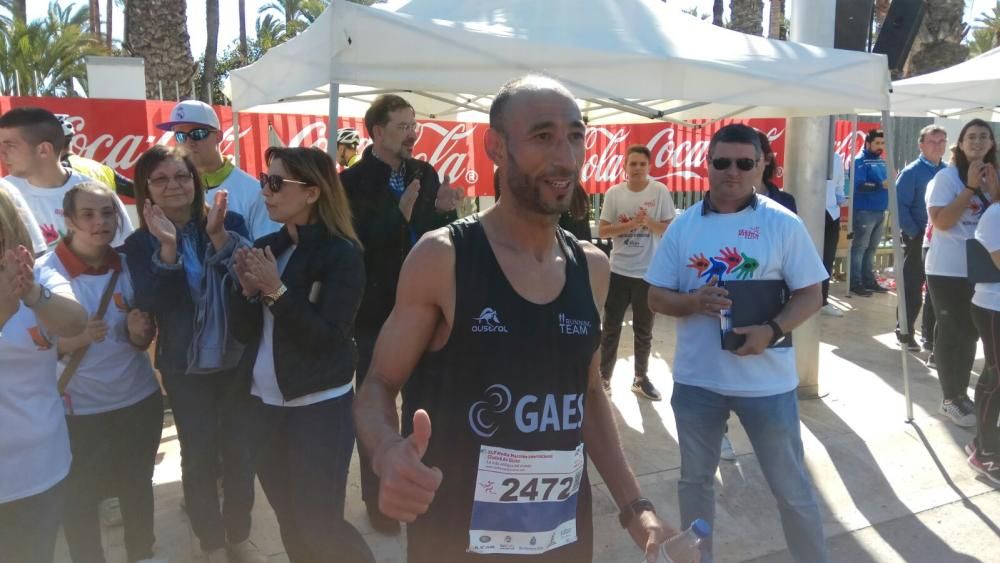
<point>890,490</point>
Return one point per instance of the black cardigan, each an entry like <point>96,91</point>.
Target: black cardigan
<point>313,339</point>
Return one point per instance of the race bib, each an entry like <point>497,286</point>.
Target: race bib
<point>525,501</point>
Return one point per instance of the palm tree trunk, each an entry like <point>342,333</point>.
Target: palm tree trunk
<point>776,20</point>
<point>244,51</point>
<point>109,10</point>
<point>211,48</point>
<point>95,18</point>
<point>20,11</point>
<point>717,13</point>
<point>157,32</point>
<point>939,41</point>
<point>747,16</point>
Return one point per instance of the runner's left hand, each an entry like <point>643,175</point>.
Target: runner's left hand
<point>648,532</point>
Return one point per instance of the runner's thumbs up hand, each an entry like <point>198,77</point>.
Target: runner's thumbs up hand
<point>406,485</point>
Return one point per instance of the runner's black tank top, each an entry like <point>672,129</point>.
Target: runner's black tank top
<point>510,381</point>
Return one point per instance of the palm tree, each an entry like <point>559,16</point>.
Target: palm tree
<point>747,16</point>
<point>939,42</point>
<point>776,20</point>
<point>95,18</point>
<point>981,40</point>
<point>156,30</point>
<point>717,10</point>
<point>297,14</point>
<point>109,9</point>
<point>211,48</point>
<point>270,32</point>
<point>992,22</point>
<point>244,50</point>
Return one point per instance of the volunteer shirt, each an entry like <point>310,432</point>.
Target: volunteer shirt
<point>27,217</point>
<point>987,295</point>
<point>632,252</point>
<point>265,379</point>
<point>245,198</point>
<point>34,443</point>
<point>764,241</point>
<point>113,374</point>
<point>946,256</point>
<point>47,206</point>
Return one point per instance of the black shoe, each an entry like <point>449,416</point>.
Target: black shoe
<point>928,346</point>
<point>861,291</point>
<point>907,342</point>
<point>643,387</point>
<point>876,288</point>
<point>382,523</point>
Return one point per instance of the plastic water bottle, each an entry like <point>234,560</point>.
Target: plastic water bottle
<point>681,548</point>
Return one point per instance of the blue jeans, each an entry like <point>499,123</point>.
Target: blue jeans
<point>773,426</point>
<point>868,232</point>
<point>29,526</point>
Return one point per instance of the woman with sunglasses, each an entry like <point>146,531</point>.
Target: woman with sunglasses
<point>176,259</point>
<point>956,199</point>
<point>113,403</point>
<point>36,308</point>
<point>300,290</point>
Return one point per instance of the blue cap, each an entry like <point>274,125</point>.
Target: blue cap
<point>701,528</point>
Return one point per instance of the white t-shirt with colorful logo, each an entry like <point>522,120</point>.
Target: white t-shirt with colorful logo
<point>34,443</point>
<point>47,206</point>
<point>946,256</point>
<point>764,241</point>
<point>987,295</point>
<point>632,252</point>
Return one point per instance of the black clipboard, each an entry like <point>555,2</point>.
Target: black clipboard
<point>980,266</point>
<point>754,303</point>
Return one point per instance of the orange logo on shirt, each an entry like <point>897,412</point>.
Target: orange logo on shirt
<point>38,339</point>
<point>120,302</point>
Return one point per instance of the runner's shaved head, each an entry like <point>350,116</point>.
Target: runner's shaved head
<point>508,92</point>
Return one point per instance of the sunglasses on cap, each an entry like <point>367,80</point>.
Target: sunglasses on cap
<point>744,164</point>
<point>274,182</point>
<point>199,134</point>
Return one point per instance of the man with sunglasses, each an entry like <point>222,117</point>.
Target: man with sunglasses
<point>197,129</point>
<point>735,234</point>
<point>395,199</point>
<point>871,200</point>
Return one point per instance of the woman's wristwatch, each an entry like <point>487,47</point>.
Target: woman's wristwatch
<point>44,294</point>
<point>270,298</point>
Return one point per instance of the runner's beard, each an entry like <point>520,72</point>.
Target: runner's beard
<point>528,191</point>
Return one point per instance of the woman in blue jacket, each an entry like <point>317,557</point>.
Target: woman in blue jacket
<point>300,291</point>
<point>179,259</point>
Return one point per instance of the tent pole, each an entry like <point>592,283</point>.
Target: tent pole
<point>850,201</point>
<point>331,124</point>
<point>897,258</point>
<point>236,138</point>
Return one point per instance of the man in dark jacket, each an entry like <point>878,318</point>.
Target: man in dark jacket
<point>395,199</point>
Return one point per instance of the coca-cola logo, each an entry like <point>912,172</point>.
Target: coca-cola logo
<point>450,155</point>
<point>607,164</point>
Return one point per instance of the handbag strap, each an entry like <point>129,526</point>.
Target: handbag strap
<point>77,357</point>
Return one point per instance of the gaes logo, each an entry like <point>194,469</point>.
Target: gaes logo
<point>489,321</point>
<point>532,413</point>
<point>481,413</point>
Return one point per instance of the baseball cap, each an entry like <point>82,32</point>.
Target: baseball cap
<point>192,112</point>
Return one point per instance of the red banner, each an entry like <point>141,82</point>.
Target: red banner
<point>117,132</point>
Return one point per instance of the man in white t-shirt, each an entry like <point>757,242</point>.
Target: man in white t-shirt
<point>197,129</point>
<point>31,141</point>
<point>736,235</point>
<point>635,214</point>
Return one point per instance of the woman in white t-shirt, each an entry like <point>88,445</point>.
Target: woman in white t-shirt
<point>35,308</point>
<point>956,199</point>
<point>113,403</point>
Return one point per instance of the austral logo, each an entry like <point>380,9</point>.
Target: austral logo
<point>488,321</point>
<point>573,326</point>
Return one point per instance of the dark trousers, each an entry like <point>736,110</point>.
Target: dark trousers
<point>213,413</point>
<point>622,292</point>
<point>831,236</point>
<point>366,347</point>
<point>913,280</point>
<point>988,388</point>
<point>117,446</point>
<point>928,322</point>
<point>29,526</point>
<point>305,457</point>
<point>955,345</point>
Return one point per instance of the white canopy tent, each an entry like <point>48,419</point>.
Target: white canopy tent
<point>627,60</point>
<point>971,86</point>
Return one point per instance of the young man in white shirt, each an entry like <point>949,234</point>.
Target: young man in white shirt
<point>733,234</point>
<point>635,213</point>
<point>197,129</point>
<point>31,142</point>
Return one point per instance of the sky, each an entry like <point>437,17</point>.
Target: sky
<point>229,29</point>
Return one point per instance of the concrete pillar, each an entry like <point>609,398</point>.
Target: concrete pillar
<point>807,157</point>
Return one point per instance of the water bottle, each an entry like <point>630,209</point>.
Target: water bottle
<point>681,548</point>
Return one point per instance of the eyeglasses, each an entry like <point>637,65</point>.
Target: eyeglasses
<point>161,182</point>
<point>409,127</point>
<point>744,164</point>
<point>274,182</point>
<point>199,134</point>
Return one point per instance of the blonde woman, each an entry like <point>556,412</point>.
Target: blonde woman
<point>301,288</point>
<point>36,308</point>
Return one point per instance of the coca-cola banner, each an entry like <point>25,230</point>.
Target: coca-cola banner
<point>117,132</point>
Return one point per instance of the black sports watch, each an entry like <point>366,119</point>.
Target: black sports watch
<point>778,333</point>
<point>633,509</point>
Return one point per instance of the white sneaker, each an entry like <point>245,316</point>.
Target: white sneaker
<point>111,512</point>
<point>831,311</point>
<point>958,414</point>
<point>728,453</point>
